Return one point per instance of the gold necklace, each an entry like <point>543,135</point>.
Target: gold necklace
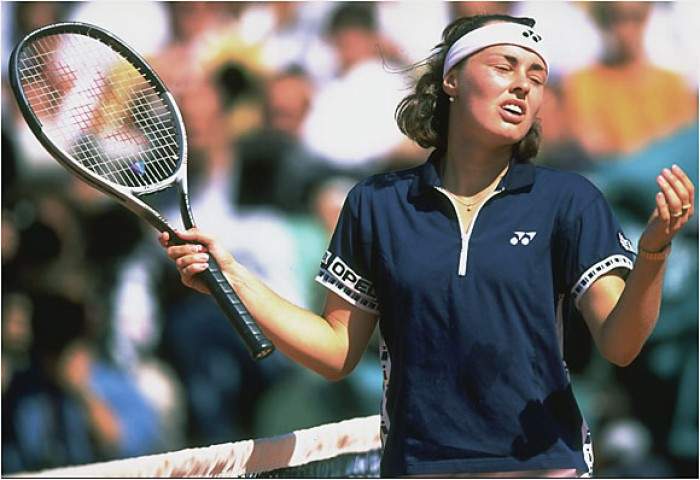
<point>471,205</point>
<point>479,196</point>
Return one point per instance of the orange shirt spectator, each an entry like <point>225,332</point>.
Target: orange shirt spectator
<point>619,110</point>
<point>623,102</point>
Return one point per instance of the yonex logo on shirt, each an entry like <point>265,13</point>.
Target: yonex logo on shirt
<point>522,238</point>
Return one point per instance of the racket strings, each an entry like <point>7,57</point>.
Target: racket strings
<point>100,109</point>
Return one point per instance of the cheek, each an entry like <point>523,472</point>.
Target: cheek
<point>484,86</point>
<point>481,96</point>
<point>536,101</point>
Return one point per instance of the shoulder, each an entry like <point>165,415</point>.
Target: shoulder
<point>385,184</point>
<point>581,78</point>
<point>569,190</point>
<point>565,181</point>
<point>25,384</point>
<point>667,79</point>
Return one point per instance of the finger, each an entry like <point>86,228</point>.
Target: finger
<point>194,235</point>
<point>182,250</point>
<point>662,207</point>
<point>677,185</point>
<point>191,270</point>
<point>187,260</point>
<point>163,239</point>
<point>672,200</point>
<point>688,185</point>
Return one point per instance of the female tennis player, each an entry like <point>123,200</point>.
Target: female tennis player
<point>472,263</point>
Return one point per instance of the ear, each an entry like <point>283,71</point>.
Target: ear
<point>450,82</point>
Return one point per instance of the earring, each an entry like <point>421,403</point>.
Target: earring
<point>452,99</point>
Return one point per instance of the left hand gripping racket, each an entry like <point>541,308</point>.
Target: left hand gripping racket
<point>103,113</point>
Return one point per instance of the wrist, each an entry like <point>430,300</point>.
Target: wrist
<point>240,277</point>
<point>655,255</point>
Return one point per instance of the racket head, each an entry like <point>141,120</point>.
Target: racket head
<point>99,109</point>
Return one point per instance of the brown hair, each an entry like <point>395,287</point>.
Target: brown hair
<point>423,115</point>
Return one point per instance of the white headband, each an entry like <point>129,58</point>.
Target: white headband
<point>494,34</point>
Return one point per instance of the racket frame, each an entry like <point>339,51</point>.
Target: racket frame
<point>128,196</point>
<point>259,346</point>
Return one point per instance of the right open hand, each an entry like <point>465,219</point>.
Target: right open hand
<point>192,258</point>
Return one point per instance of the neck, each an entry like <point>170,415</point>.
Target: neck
<point>469,169</point>
<point>623,61</point>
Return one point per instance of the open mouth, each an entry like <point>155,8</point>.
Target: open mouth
<point>513,112</point>
<point>514,109</point>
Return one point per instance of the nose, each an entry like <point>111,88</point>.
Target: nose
<point>521,85</point>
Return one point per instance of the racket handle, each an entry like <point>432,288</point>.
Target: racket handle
<point>258,345</point>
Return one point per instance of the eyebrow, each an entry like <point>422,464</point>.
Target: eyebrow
<point>514,61</point>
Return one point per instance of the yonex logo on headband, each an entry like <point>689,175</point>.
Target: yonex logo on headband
<point>500,33</point>
<point>530,33</point>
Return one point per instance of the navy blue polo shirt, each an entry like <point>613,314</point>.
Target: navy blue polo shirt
<point>471,319</point>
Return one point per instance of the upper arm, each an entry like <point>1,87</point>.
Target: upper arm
<point>599,300</point>
<point>353,325</point>
<point>591,252</point>
<point>347,271</point>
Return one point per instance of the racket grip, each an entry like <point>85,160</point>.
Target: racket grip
<point>258,345</point>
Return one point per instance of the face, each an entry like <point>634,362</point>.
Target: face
<point>353,45</point>
<point>201,110</point>
<point>288,101</point>
<point>498,92</point>
<point>625,32</point>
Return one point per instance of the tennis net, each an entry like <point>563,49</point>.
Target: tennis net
<point>347,449</point>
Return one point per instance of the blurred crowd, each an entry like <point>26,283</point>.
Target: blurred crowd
<point>106,355</point>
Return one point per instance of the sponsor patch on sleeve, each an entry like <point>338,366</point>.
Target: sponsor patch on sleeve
<point>338,277</point>
<point>626,243</point>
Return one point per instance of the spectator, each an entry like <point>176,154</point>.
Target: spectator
<point>276,169</point>
<point>351,119</point>
<point>16,334</point>
<point>144,26</point>
<point>31,160</point>
<point>288,34</point>
<point>289,96</point>
<point>467,9</point>
<point>623,102</point>
<point>70,406</point>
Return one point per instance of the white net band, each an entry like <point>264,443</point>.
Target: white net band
<point>239,458</point>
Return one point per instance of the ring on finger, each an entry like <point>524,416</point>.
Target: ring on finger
<point>686,207</point>
<point>677,214</point>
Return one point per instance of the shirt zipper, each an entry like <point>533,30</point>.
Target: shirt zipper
<point>465,236</point>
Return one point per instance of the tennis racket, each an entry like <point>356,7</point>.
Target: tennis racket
<point>103,113</point>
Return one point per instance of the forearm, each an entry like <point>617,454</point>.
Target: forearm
<point>300,334</point>
<point>104,424</point>
<point>330,345</point>
<point>634,316</point>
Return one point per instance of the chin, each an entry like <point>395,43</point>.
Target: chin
<point>498,133</point>
<point>507,136</point>
<point>513,133</point>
